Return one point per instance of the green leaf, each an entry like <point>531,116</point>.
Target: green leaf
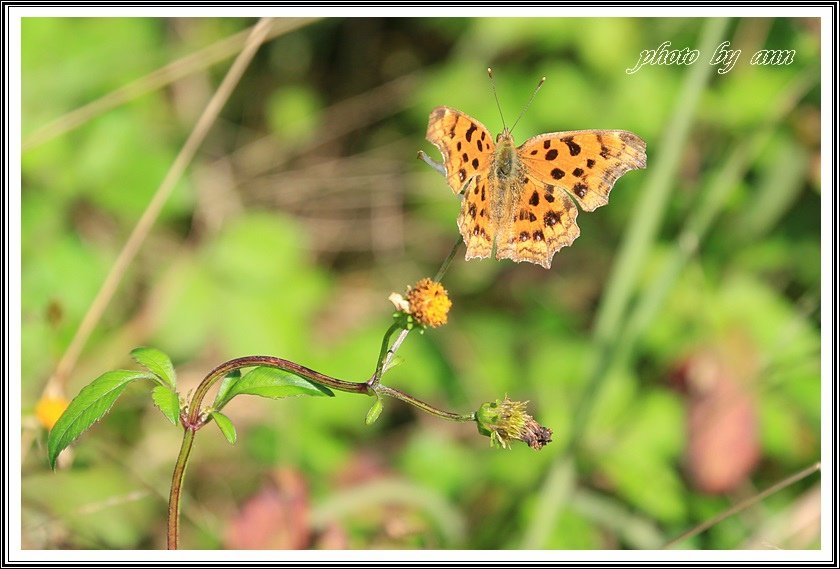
<point>395,361</point>
<point>275,384</point>
<point>374,412</point>
<point>225,425</point>
<point>227,383</point>
<point>156,362</point>
<point>92,402</point>
<point>167,401</point>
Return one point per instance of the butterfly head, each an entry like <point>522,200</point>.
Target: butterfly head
<point>505,137</point>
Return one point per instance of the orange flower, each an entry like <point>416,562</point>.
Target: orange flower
<point>428,303</point>
<point>49,409</point>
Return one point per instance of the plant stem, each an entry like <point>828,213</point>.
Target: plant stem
<point>193,420</point>
<point>385,357</point>
<point>269,361</point>
<point>396,346</point>
<point>385,353</point>
<point>750,502</point>
<point>172,533</point>
<point>448,261</point>
<point>397,394</point>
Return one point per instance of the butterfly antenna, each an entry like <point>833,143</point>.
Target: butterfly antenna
<point>534,94</point>
<point>495,96</point>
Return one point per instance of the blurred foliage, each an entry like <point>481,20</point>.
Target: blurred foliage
<point>306,207</point>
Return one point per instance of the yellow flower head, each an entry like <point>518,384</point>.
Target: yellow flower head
<point>506,420</point>
<point>49,409</point>
<point>428,303</point>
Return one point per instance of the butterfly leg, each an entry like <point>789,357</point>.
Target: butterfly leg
<point>436,165</point>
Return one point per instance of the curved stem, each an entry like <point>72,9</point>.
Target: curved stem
<point>172,533</point>
<point>269,361</point>
<point>397,394</point>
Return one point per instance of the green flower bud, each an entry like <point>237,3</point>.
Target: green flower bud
<point>506,420</point>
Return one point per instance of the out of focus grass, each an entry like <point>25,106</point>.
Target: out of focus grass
<point>306,208</point>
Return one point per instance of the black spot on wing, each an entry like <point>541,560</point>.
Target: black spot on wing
<point>574,147</point>
<point>470,131</point>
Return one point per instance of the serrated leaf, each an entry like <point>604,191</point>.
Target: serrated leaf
<point>374,412</point>
<point>156,362</point>
<point>92,402</point>
<point>225,425</point>
<point>275,384</point>
<point>167,401</point>
<point>228,382</point>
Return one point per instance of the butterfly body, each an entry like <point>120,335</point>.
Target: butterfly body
<point>505,173</point>
<point>518,199</point>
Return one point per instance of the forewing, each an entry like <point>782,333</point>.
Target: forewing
<point>466,145</point>
<point>585,163</point>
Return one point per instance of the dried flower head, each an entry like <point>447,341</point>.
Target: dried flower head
<point>428,303</point>
<point>506,420</point>
<point>49,409</point>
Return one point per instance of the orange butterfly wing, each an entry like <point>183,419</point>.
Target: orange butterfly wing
<point>466,145</point>
<point>543,223</point>
<point>585,163</point>
<point>467,148</point>
<point>474,221</point>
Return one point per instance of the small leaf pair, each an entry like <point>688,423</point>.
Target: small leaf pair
<point>96,399</point>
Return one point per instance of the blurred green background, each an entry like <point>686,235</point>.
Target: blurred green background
<point>673,350</point>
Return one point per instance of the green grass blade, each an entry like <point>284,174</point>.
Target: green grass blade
<point>650,209</point>
<point>634,248</point>
<point>88,407</point>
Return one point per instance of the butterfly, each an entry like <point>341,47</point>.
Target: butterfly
<point>520,198</point>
